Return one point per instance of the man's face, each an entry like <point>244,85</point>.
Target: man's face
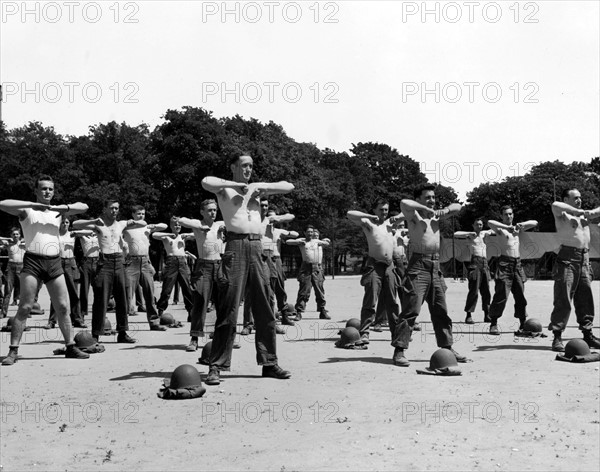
<point>44,191</point>
<point>264,207</point>
<point>65,224</point>
<point>574,198</point>
<point>427,198</point>
<point>209,213</point>
<point>478,226</point>
<point>507,216</point>
<point>175,226</point>
<point>139,215</point>
<point>316,234</point>
<point>16,235</point>
<point>112,210</point>
<point>382,210</point>
<point>242,169</point>
<point>310,233</point>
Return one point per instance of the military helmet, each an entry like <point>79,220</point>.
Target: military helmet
<point>533,325</point>
<point>84,339</point>
<point>442,358</point>
<point>185,376</point>
<point>576,347</point>
<point>205,356</point>
<point>167,319</point>
<point>353,323</point>
<point>348,336</point>
<point>107,327</point>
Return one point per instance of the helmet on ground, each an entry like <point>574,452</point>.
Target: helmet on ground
<point>84,339</point>
<point>111,304</point>
<point>353,323</point>
<point>185,376</point>
<point>576,347</point>
<point>533,325</point>
<point>348,336</point>
<point>205,356</point>
<point>167,319</point>
<point>442,358</point>
<point>107,327</point>
<point>36,309</point>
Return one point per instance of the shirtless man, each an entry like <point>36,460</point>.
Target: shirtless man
<point>311,271</point>
<point>140,271</point>
<point>207,233</point>
<point>572,274</point>
<point>378,278</point>
<point>271,241</point>
<point>242,264</point>
<point>510,276</point>
<point>176,267</point>
<point>40,222</point>
<point>479,272</point>
<point>110,275</point>
<point>16,251</point>
<point>424,280</point>
<point>69,265</point>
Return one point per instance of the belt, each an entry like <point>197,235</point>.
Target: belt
<point>510,259</point>
<point>90,258</point>
<point>176,257</point>
<point>478,258</point>
<point>433,257</point>
<point>582,250</point>
<point>114,256</point>
<point>231,236</point>
<point>65,259</point>
<point>137,257</point>
<point>40,256</point>
<point>208,261</point>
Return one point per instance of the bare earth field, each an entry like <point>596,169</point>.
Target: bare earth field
<point>514,407</point>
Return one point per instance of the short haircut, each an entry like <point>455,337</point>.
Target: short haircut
<point>506,207</point>
<point>41,178</point>
<point>310,227</point>
<point>174,219</point>
<point>108,202</point>
<point>235,157</point>
<point>136,208</point>
<point>479,218</point>
<point>381,201</point>
<point>14,228</point>
<point>422,188</point>
<point>207,202</point>
<point>565,192</point>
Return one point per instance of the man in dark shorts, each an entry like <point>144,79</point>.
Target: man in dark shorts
<point>40,222</point>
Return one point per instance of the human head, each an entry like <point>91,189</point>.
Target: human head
<point>316,233</point>
<point>111,208</point>
<point>264,206</point>
<point>208,210</point>
<point>44,189</point>
<point>507,214</point>
<point>65,223</point>
<point>138,212</point>
<point>241,168</point>
<point>478,224</point>
<point>381,208</point>
<point>571,196</point>
<point>310,232</point>
<point>15,233</point>
<point>175,225</point>
<point>425,195</point>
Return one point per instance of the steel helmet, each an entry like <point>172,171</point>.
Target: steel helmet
<point>167,319</point>
<point>205,357</point>
<point>84,339</point>
<point>185,376</point>
<point>576,347</point>
<point>442,358</point>
<point>533,325</point>
<point>107,327</point>
<point>353,323</point>
<point>348,337</point>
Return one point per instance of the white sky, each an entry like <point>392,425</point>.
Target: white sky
<point>370,62</point>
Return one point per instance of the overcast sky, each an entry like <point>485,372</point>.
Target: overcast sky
<point>474,91</point>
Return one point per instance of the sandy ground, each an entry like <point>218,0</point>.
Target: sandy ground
<point>514,407</point>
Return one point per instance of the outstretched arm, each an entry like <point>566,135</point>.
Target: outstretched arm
<point>359,217</point>
<point>273,188</point>
<point>449,211</point>
<point>70,209</point>
<point>296,242</point>
<point>87,224</point>
<point>410,209</point>
<point>193,224</point>
<point>157,227</point>
<point>163,236</point>
<point>18,207</point>
<point>525,225</point>
<point>281,218</point>
<point>216,185</point>
<point>464,234</point>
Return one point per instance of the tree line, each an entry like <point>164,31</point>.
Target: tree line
<point>162,170</point>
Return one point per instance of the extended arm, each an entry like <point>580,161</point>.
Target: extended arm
<point>216,185</point>
<point>273,188</point>
<point>464,234</point>
<point>163,236</point>
<point>18,207</point>
<point>296,242</point>
<point>410,209</point>
<point>193,224</point>
<point>359,217</point>
<point>526,225</point>
<point>281,218</point>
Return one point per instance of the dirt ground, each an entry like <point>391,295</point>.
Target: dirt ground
<point>514,407</point>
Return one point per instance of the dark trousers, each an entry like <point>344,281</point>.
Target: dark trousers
<point>400,264</point>
<point>242,264</point>
<point>205,282</point>
<point>139,271</point>
<point>71,279</point>
<point>278,294</point>
<point>11,277</point>
<point>423,282</point>
<point>176,269</point>
<point>109,279</point>
<point>572,288</point>
<point>510,277</point>
<point>379,280</point>
<point>87,271</point>
<point>479,281</point>
<point>310,275</point>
